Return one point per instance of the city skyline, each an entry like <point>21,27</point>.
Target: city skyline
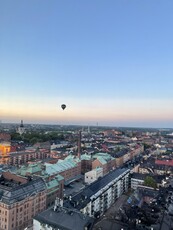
<point>109,62</point>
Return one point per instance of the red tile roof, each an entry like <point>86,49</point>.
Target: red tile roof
<point>164,162</point>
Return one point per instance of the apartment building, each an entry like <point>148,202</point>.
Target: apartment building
<point>127,154</point>
<point>21,199</point>
<point>54,183</point>
<point>121,157</point>
<point>5,147</point>
<point>63,219</point>
<point>22,157</point>
<point>136,150</point>
<point>96,198</point>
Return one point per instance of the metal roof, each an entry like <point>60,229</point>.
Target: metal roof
<point>83,197</point>
<point>65,219</point>
<point>10,195</point>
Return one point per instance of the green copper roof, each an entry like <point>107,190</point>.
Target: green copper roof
<point>59,177</point>
<point>52,184</point>
<point>85,157</point>
<point>31,169</point>
<point>102,160</point>
<point>60,166</point>
<point>106,156</point>
<point>72,158</point>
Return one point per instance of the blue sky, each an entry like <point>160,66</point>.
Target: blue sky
<point>109,61</point>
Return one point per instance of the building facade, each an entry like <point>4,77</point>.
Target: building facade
<point>54,183</point>
<point>20,200</point>
<point>93,175</point>
<point>22,157</point>
<point>103,160</point>
<point>5,148</point>
<point>69,169</point>
<point>96,198</point>
<point>61,218</point>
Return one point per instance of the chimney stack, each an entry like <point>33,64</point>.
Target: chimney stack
<point>79,144</point>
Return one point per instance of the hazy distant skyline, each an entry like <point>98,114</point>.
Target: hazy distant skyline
<point>109,61</point>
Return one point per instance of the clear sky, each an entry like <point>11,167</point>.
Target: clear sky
<point>109,61</point>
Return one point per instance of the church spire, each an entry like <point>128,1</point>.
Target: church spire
<point>21,125</point>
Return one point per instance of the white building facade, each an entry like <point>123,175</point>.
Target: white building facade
<point>107,195</point>
<point>135,182</point>
<point>93,175</point>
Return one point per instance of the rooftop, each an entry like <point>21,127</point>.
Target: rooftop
<point>65,219</point>
<point>11,191</point>
<point>83,197</point>
<point>60,166</point>
<point>164,162</point>
<point>104,156</point>
<point>31,169</point>
<point>140,176</point>
<point>121,153</point>
<point>85,157</point>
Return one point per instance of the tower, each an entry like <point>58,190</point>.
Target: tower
<point>21,124</point>
<point>88,129</point>
<point>21,128</point>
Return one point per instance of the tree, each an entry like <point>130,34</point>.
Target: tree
<point>150,182</point>
<point>16,136</point>
<point>35,136</point>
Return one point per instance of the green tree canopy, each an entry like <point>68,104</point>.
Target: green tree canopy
<point>34,137</point>
<point>150,182</point>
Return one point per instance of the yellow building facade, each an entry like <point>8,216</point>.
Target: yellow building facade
<point>5,148</point>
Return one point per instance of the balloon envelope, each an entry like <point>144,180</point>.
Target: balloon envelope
<point>63,106</point>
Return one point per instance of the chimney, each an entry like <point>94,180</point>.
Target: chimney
<point>79,144</point>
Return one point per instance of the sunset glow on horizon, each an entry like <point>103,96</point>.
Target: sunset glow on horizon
<point>110,64</point>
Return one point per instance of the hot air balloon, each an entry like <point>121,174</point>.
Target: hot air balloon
<point>63,106</point>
